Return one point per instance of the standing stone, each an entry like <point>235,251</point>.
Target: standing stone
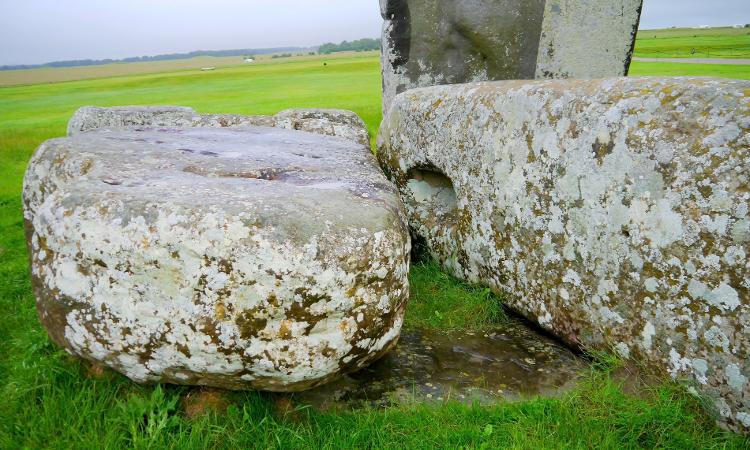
<point>429,42</point>
<point>329,122</point>
<point>614,213</point>
<point>244,258</point>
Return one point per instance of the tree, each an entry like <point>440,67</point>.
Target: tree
<point>360,45</point>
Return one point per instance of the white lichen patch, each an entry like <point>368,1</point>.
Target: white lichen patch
<point>239,259</point>
<point>614,212</point>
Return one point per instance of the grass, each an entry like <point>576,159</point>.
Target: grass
<point>440,301</point>
<point>50,400</point>
<point>670,69</point>
<point>59,74</point>
<point>694,43</point>
<point>70,410</point>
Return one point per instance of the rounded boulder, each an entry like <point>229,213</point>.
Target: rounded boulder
<point>252,258</point>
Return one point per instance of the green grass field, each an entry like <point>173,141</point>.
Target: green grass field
<point>54,75</point>
<point>671,69</point>
<point>694,43</point>
<point>47,399</point>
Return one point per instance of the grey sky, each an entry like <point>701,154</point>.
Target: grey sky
<point>36,31</point>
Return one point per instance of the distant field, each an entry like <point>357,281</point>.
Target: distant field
<point>694,43</point>
<point>53,75</point>
<point>671,43</point>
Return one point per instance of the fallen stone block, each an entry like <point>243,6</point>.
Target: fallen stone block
<point>255,258</point>
<point>614,212</point>
<point>428,42</point>
<point>329,122</point>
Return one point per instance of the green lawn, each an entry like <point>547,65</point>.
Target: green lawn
<point>694,43</point>
<point>47,399</point>
<point>671,69</point>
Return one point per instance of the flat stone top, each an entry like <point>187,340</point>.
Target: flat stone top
<point>297,183</point>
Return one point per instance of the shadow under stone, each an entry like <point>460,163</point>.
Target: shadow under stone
<point>511,362</point>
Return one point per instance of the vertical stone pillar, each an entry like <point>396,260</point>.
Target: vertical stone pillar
<point>429,42</point>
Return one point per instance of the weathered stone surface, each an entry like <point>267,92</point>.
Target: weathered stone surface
<point>252,258</point>
<point>447,42</point>
<point>92,117</point>
<point>613,212</point>
<point>329,122</point>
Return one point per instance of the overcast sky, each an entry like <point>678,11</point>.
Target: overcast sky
<point>37,31</point>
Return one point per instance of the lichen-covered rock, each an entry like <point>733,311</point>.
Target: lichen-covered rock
<point>613,212</point>
<point>91,117</point>
<point>251,258</point>
<point>429,42</point>
<point>329,122</point>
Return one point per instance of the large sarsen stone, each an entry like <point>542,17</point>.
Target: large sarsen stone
<point>613,212</point>
<point>251,258</point>
<point>429,42</point>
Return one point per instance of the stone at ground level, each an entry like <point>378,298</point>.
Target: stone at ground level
<point>329,122</point>
<point>612,212</point>
<point>429,42</point>
<point>509,362</point>
<point>252,258</point>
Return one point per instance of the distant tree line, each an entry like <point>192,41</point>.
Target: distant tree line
<point>359,45</point>
<point>166,57</point>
